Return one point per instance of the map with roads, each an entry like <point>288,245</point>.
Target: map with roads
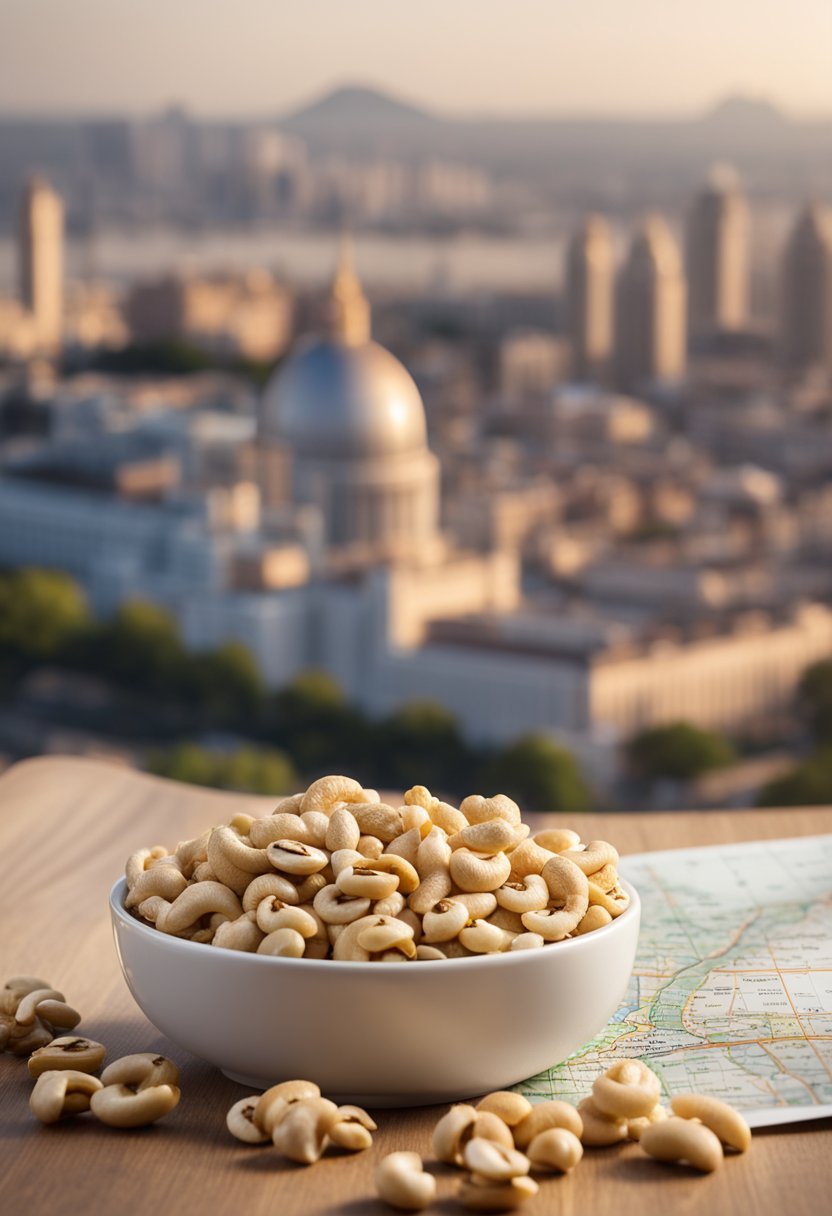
<point>731,993</point>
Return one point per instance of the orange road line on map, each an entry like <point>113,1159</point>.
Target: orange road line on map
<point>775,1038</point>
<point>800,1023</point>
<point>771,970</point>
<point>788,1073</point>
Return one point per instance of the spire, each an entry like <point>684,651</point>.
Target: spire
<point>348,311</point>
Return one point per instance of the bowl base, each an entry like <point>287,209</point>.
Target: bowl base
<point>384,1101</point>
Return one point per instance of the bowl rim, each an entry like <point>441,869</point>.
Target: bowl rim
<point>345,966</point>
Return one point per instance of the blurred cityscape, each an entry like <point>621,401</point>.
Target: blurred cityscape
<point>466,452</point>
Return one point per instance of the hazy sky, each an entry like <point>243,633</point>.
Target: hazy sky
<point>231,57</point>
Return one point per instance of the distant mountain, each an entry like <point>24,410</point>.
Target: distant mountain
<point>356,105</point>
<point>751,113</point>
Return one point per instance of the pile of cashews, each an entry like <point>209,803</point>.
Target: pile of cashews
<point>504,1139</point>
<point>131,1092</point>
<point>299,1122</point>
<point>31,1013</point>
<point>334,872</point>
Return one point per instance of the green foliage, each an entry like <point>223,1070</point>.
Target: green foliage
<point>808,784</point>
<point>312,721</point>
<point>41,613</point>
<point>814,700</point>
<point>420,744</point>
<point>539,775</point>
<point>226,685</point>
<point>250,770</point>
<point>167,356</point>
<point>679,750</point>
<point>140,648</point>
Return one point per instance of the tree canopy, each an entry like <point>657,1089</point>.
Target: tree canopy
<point>680,751</point>
<point>41,612</point>
<point>808,784</point>
<point>539,775</point>
<point>814,700</point>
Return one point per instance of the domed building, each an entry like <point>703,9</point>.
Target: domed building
<point>350,422</point>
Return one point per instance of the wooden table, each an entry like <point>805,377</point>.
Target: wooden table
<point>66,827</point>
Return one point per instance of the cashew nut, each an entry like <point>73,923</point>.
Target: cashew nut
<point>546,1115</point>
<point>484,938</point>
<point>201,899</point>
<point>122,1106</point>
<point>478,809</point>
<point>598,1128</point>
<point>301,1134</point>
<point>294,857</point>
<point>378,819</point>
<point>480,904</point>
<point>684,1140</point>
<point>367,882</point>
<point>597,853</point>
<point>481,1195</point>
<point>627,1090</point>
<point>273,1104</point>
<point>342,830</point>
<point>490,836</point>
<point>594,918</point>
<point>382,933</point>
<point>556,1150</point>
<point>402,1182</point>
<point>528,858</point>
<point>635,1127</point>
<point>235,851</point>
<point>494,1161</point>
<point>406,845</point>
<point>527,941</point>
<point>723,1120</point>
<point>283,825</point>
<point>60,1093</point>
<point>326,791</point>
<point>615,901</point>
<point>354,1128</point>
<point>479,871</point>
<point>259,888</point>
<point>452,1132</point>
<point>272,914</point>
<point>336,908</point>
<point>164,881</point>
<point>241,934</point>
<point>67,1052</point>
<point>240,1122</point>
<point>557,840</point>
<point>527,894</point>
<point>283,943</point>
<point>444,921</point>
<point>568,890</point>
<point>511,1107</point>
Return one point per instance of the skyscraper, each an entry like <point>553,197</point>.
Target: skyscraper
<point>589,297</point>
<point>650,308</point>
<point>41,260</point>
<point>806,303</point>
<point>717,254</point>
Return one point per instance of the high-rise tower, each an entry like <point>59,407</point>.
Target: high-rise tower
<point>717,254</point>
<point>806,304</point>
<point>650,308</point>
<point>590,273</point>
<point>42,260</point>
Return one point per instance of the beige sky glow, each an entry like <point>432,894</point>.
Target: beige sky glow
<point>234,57</point>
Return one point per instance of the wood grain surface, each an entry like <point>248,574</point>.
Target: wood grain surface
<point>66,827</point>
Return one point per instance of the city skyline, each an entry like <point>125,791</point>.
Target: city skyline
<point>467,60</point>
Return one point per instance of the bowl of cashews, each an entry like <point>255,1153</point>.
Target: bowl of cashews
<point>257,945</point>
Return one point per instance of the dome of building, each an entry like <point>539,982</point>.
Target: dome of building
<point>346,422</point>
<point>344,399</point>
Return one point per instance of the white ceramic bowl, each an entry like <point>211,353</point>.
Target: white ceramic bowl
<point>392,1034</point>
